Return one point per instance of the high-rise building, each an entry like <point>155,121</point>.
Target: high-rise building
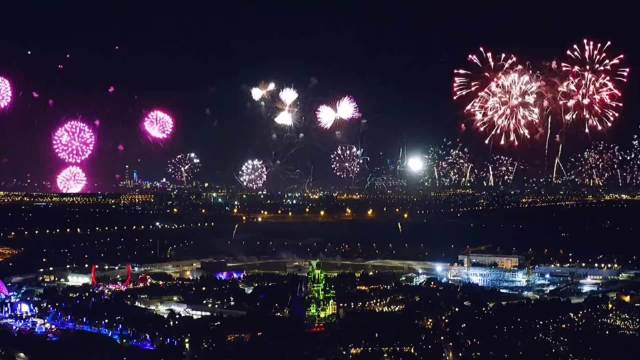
<point>321,306</point>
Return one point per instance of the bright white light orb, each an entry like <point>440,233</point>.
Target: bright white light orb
<point>415,164</point>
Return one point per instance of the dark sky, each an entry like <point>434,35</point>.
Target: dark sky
<point>199,62</point>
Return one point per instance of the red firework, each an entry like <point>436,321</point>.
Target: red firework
<point>590,91</point>
<point>507,108</point>
<point>485,68</point>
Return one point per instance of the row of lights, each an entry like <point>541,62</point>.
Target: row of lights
<point>348,212</point>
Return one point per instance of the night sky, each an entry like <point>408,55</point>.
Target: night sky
<point>200,62</point>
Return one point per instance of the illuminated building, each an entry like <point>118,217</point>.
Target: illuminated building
<point>491,277</point>
<point>321,305</point>
<point>7,252</point>
<point>501,261</point>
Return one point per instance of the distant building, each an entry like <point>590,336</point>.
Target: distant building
<point>127,175</point>
<point>577,273</point>
<point>74,279</point>
<point>321,305</point>
<point>501,261</point>
<point>7,252</point>
<point>491,277</point>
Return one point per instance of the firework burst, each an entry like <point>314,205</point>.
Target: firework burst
<point>184,167</point>
<point>284,118</point>
<point>507,108</point>
<point>71,180</point>
<point>499,171</point>
<point>253,174</point>
<point>260,92</point>
<point>590,91</point>
<point>73,141</point>
<point>631,163</point>
<point>346,161</point>
<point>450,165</point>
<point>596,165</point>
<point>484,69</point>
<point>158,124</point>
<point>5,93</point>
<point>346,109</point>
<point>288,96</point>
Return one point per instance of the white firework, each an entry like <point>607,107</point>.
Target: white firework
<point>184,167</point>
<point>346,161</point>
<point>253,174</point>
<point>256,93</point>
<point>326,116</point>
<point>288,96</point>
<point>284,118</point>
<point>346,109</point>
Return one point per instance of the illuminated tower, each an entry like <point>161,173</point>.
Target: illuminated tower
<point>320,301</point>
<point>127,176</point>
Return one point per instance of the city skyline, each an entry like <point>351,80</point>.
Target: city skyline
<point>319,180</point>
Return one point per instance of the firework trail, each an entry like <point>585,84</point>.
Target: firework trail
<point>71,180</point>
<point>590,91</point>
<point>5,93</point>
<point>596,165</point>
<point>158,124</point>
<point>631,163</point>
<point>346,109</point>
<point>557,164</point>
<point>484,69</point>
<point>500,171</point>
<point>507,108</point>
<point>235,230</point>
<point>253,174</point>
<point>450,165</point>
<point>184,167</point>
<point>73,141</point>
<point>549,79</point>
<point>346,161</point>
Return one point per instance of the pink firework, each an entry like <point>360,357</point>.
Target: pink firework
<point>346,109</point>
<point>71,180</point>
<point>158,124</point>
<point>73,141</point>
<point>507,107</point>
<point>5,93</point>
<point>484,69</point>
<point>590,91</point>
